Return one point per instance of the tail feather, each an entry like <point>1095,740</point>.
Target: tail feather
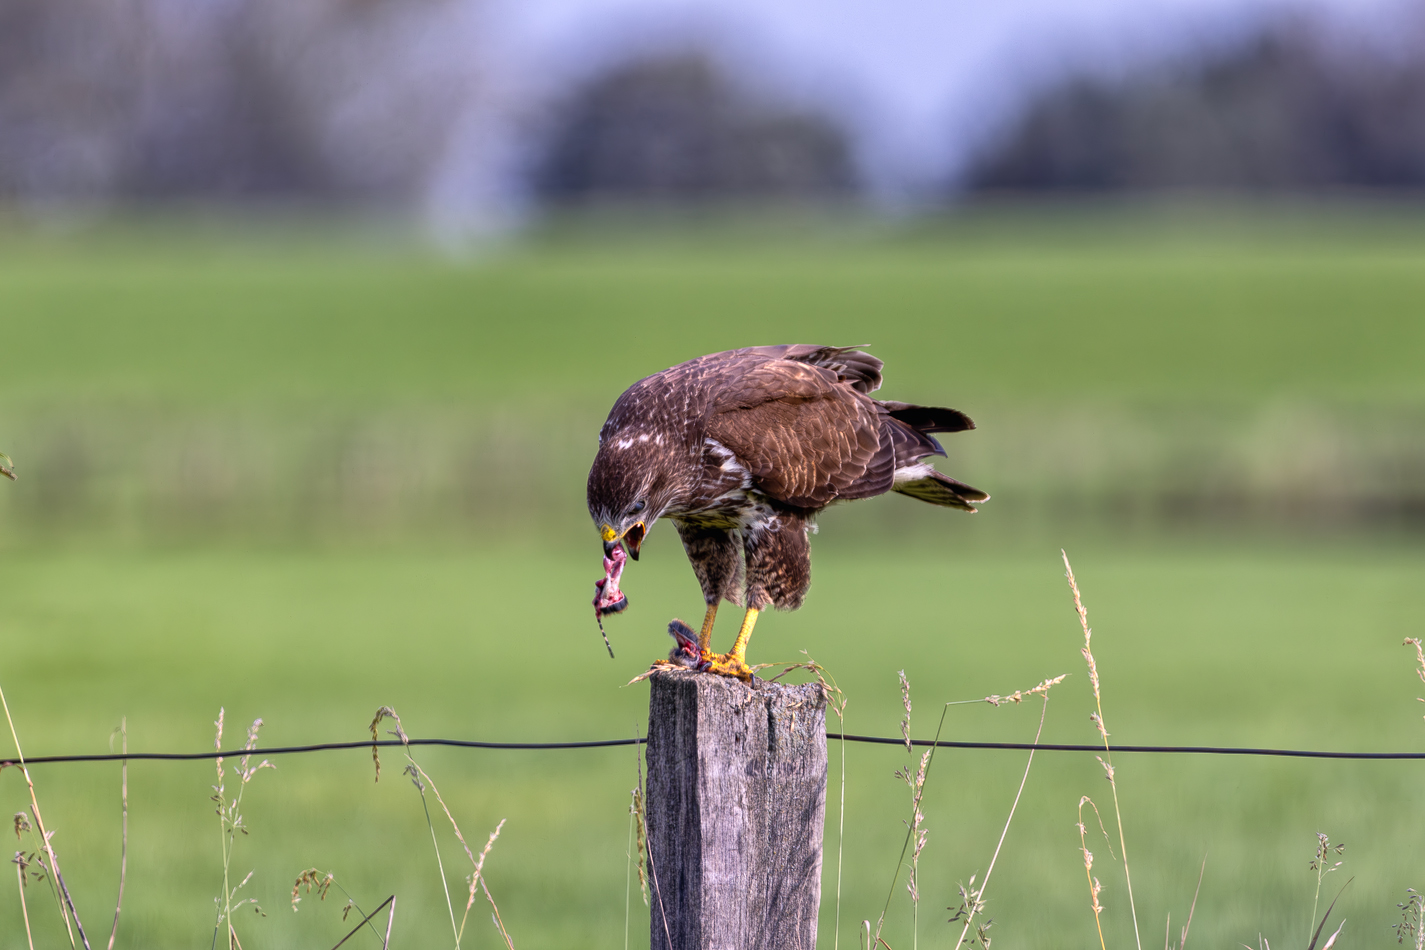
<point>937,488</point>
<point>928,418</point>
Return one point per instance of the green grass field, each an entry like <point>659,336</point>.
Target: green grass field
<point>1286,635</point>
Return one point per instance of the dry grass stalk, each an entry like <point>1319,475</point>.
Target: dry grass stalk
<point>421,780</point>
<point>916,781</point>
<point>1182,937</point>
<point>7,467</point>
<point>1322,865</point>
<point>972,899</point>
<point>914,833</point>
<point>905,721</point>
<point>1097,718</point>
<point>1419,659</point>
<point>477,879</point>
<point>21,865</point>
<point>638,814</point>
<point>652,867</point>
<point>62,898</point>
<point>1094,886</point>
<point>628,867</point>
<point>637,843</point>
<point>495,915</point>
<point>231,823</point>
<point>1020,695</point>
<point>312,879</point>
<point>386,712</point>
<point>124,837</point>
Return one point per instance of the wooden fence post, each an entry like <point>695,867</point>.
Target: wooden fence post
<point>735,803</point>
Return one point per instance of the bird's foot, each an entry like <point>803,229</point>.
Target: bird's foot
<point>687,655</point>
<point>729,664</point>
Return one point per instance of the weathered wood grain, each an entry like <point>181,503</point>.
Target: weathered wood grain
<point>736,802</point>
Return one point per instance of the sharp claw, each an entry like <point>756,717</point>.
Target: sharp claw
<point>727,664</point>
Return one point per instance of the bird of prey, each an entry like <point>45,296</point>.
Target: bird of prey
<point>741,450</point>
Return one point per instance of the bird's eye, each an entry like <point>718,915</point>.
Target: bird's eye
<point>637,506</point>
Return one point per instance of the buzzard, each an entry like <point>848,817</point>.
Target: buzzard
<point>741,450</point>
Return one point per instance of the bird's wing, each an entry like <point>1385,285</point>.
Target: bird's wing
<point>861,371</point>
<point>805,438</point>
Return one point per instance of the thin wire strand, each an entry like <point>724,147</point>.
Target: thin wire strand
<point>606,743</point>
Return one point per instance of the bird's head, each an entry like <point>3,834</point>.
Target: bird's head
<point>629,489</point>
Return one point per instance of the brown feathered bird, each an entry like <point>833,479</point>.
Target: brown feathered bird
<point>740,450</point>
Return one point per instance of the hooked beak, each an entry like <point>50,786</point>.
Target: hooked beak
<point>632,539</point>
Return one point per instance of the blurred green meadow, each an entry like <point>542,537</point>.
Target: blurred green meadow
<point>300,473</point>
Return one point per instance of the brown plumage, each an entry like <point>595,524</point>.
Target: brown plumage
<point>740,450</point>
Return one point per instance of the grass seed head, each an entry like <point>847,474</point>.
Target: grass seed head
<point>1419,659</point>
<point>1020,695</point>
<point>1412,917</point>
<point>1324,850</point>
<point>385,712</point>
<point>920,772</point>
<point>310,879</point>
<point>905,701</point>
<point>218,747</point>
<point>919,844</point>
<point>1083,613</point>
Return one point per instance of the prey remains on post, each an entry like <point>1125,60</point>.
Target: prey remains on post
<point>741,450</point>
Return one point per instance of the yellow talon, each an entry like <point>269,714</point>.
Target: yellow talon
<point>725,664</point>
<point>749,620</point>
<point>734,663</point>
<point>705,637</point>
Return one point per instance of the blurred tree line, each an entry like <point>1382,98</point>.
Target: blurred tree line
<point>676,128</point>
<point>1295,109</point>
<point>232,98</point>
<point>397,102</point>
<point>364,101</point>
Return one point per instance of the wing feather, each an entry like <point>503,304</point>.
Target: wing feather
<point>861,371</point>
<point>805,437</point>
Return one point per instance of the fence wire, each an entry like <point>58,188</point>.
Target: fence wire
<point>606,743</point>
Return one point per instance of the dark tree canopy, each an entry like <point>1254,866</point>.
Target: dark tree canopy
<point>1294,110</point>
<point>675,129</point>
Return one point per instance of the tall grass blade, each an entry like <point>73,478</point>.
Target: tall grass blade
<point>1103,732</point>
<point>124,835</point>
<point>1326,916</point>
